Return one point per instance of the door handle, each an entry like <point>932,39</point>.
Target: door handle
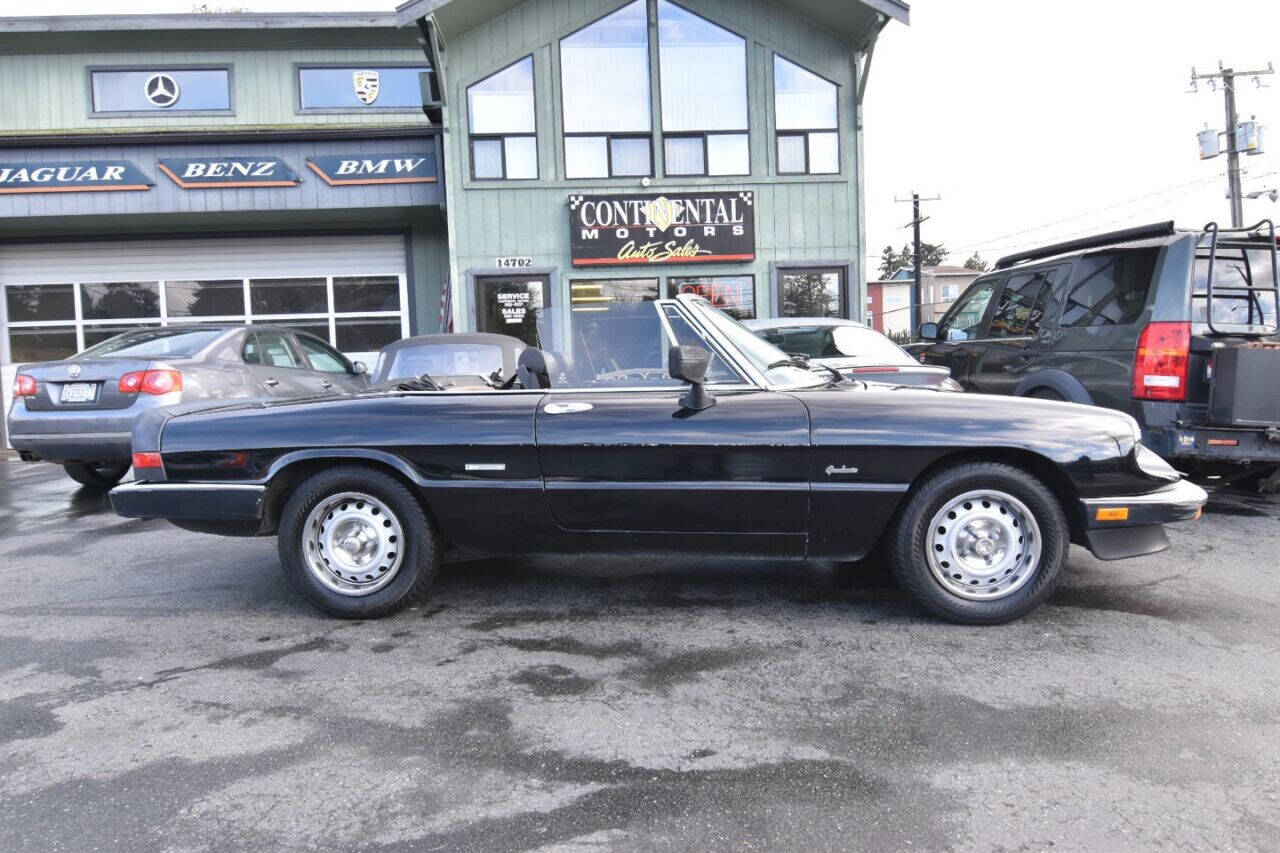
<point>566,408</point>
<point>271,382</point>
<point>326,384</point>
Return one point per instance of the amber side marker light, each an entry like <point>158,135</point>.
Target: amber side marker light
<point>147,460</point>
<point>1115,513</point>
<point>1224,442</point>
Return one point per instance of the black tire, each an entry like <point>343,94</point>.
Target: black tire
<point>419,563</point>
<point>1047,394</point>
<point>910,564</point>
<point>98,475</point>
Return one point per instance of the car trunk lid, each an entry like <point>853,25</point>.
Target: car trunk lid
<point>82,384</point>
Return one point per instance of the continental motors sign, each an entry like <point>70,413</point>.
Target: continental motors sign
<point>662,228</point>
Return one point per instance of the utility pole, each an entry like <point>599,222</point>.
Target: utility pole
<point>917,256</point>
<point>1228,77</point>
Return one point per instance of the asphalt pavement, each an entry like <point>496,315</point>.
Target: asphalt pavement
<point>167,690</point>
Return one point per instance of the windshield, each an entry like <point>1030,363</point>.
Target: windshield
<point>843,341</point>
<point>444,360</point>
<point>1234,308</point>
<point>768,359</point>
<point>154,343</point>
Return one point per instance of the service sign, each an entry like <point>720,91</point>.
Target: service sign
<point>670,228</point>
<point>72,176</point>
<point>198,173</point>
<point>341,170</point>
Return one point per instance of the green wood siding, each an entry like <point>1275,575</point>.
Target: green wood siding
<point>797,218</point>
<point>55,97</point>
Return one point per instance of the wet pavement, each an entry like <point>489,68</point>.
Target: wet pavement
<point>162,689</point>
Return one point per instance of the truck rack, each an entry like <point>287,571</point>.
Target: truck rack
<point>1214,231</point>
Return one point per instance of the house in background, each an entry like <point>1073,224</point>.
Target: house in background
<point>889,300</point>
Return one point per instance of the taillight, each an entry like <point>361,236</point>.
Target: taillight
<point>23,386</point>
<point>147,460</point>
<point>150,382</point>
<point>1162,363</point>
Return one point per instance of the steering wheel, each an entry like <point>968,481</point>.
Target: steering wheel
<point>642,374</point>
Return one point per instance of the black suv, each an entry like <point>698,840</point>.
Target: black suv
<point>1176,327</point>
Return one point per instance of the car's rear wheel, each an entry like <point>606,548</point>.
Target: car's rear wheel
<point>100,475</point>
<point>357,543</point>
<point>980,543</point>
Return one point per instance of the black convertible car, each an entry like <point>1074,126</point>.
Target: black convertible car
<point>663,427</point>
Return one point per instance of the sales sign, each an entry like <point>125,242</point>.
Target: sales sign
<point>671,228</point>
<point>72,176</point>
<point>197,173</point>
<point>340,170</point>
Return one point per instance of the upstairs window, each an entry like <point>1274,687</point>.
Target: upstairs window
<point>360,87</point>
<point>807,119</point>
<point>500,116</point>
<point>604,70</point>
<point>704,95</point>
<point>161,90</point>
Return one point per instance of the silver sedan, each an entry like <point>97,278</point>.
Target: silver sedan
<point>79,411</point>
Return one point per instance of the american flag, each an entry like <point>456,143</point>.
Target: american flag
<point>446,308</point>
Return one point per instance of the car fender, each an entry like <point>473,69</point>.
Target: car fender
<point>1060,381</point>
<point>343,454</point>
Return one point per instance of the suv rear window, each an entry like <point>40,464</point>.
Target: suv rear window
<point>1111,289</point>
<point>1236,310</point>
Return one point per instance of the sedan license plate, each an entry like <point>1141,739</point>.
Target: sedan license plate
<point>79,392</point>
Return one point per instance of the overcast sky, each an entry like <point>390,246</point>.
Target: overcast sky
<point>1035,121</point>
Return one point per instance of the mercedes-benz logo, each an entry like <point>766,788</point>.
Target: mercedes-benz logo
<point>162,90</point>
<point>73,371</point>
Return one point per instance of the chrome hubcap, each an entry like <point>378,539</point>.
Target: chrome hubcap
<point>353,543</point>
<point>983,545</point>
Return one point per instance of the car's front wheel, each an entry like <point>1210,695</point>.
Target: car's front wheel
<point>357,543</point>
<point>980,543</point>
<point>99,475</point>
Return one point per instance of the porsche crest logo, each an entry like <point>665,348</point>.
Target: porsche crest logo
<point>366,85</point>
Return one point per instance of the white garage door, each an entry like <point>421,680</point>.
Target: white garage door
<point>59,298</point>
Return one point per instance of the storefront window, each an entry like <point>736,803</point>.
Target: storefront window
<point>288,296</point>
<point>595,294</point>
<point>811,293</point>
<point>604,71</point>
<point>366,335</point>
<point>366,293</point>
<point>223,298</point>
<point>159,90</point>
<point>41,343</point>
<point>508,306</point>
<point>807,118</point>
<point>361,87</point>
<point>40,302</point>
<point>733,294</point>
<point>704,95</point>
<point>500,112</point>
<point>120,300</point>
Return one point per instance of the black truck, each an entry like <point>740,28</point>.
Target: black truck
<point>1176,327</point>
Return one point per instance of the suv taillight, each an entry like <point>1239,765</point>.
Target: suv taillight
<point>23,386</point>
<point>1162,362</point>
<point>150,382</point>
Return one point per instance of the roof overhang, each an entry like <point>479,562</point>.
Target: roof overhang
<point>194,21</point>
<point>856,20</point>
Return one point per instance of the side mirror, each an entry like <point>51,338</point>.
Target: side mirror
<point>928,332</point>
<point>360,368</point>
<point>689,364</point>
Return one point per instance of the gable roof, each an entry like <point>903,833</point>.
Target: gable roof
<point>853,19</point>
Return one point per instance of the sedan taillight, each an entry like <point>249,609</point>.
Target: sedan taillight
<point>24,386</point>
<point>1162,362</point>
<point>150,382</point>
<point>147,460</point>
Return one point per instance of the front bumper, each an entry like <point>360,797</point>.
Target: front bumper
<point>189,501</point>
<point>1132,525</point>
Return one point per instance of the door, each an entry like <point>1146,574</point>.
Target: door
<point>961,331</point>
<point>277,364</point>
<point>621,455</point>
<point>507,305</point>
<point>1014,347</point>
<point>331,369</point>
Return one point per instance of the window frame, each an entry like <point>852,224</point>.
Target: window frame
<point>997,281</point>
<point>300,338</point>
<point>778,133</point>
<point>656,48</point>
<point>781,270</point>
<point>480,278</point>
<point>608,150</point>
<point>472,138</point>
<point>669,284</point>
<point>94,112</point>
<point>1049,276</point>
<point>299,109</point>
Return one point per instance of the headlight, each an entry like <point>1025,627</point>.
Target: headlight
<point>1152,464</point>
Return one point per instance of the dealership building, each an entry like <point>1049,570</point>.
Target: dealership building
<point>457,164</point>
